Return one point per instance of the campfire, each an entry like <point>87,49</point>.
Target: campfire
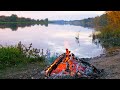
<point>69,65</point>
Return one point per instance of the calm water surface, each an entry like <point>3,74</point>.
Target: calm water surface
<point>54,37</point>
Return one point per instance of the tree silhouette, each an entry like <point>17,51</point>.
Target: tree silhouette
<point>13,18</point>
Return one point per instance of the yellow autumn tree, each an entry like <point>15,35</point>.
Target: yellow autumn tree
<point>113,18</point>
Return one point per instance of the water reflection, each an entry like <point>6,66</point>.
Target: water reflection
<point>96,40</point>
<point>14,26</point>
<point>77,39</point>
<point>55,38</point>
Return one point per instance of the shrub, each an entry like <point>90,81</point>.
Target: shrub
<point>14,55</point>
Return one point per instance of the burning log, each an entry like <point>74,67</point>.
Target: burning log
<point>54,65</point>
<point>68,64</point>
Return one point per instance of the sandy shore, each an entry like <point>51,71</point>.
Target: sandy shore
<point>110,63</point>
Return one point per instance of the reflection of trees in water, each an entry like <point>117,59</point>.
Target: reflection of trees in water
<point>14,22</point>
<point>109,43</point>
<point>105,42</point>
<point>14,26</point>
<point>77,39</point>
<point>96,40</point>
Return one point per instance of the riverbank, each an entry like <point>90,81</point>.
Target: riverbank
<point>24,71</point>
<point>20,62</point>
<point>110,63</point>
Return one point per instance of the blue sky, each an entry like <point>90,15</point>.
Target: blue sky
<point>54,15</point>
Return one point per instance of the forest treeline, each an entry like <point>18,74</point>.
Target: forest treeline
<point>14,22</point>
<point>109,18</point>
<point>15,18</point>
<point>108,24</point>
<point>91,22</point>
<point>110,30</point>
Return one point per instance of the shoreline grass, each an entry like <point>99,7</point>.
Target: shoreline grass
<point>15,55</point>
<point>109,37</point>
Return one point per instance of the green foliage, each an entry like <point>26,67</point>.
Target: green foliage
<point>109,37</point>
<point>101,21</point>
<point>98,21</point>
<point>14,21</point>
<point>13,18</point>
<point>14,55</point>
<point>110,29</point>
<point>10,56</point>
<point>87,22</point>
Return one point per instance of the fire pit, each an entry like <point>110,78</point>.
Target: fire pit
<point>68,66</point>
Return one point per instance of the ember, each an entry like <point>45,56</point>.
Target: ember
<point>68,65</point>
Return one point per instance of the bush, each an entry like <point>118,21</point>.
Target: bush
<point>109,36</point>
<point>14,55</point>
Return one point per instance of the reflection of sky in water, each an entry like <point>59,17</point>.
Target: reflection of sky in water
<point>54,37</point>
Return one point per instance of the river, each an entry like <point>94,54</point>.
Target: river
<point>56,38</point>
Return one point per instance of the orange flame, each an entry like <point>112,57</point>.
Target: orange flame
<point>63,65</point>
<point>67,55</point>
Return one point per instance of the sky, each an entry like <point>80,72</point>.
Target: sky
<point>54,15</point>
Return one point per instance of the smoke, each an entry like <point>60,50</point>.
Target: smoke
<point>66,44</point>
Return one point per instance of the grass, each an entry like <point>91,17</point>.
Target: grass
<point>14,55</point>
<point>20,61</point>
<point>109,37</point>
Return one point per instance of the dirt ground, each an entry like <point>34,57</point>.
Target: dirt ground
<point>30,71</point>
<point>111,65</point>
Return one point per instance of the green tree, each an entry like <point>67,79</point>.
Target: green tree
<point>13,18</point>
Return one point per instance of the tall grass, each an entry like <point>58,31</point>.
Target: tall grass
<point>110,36</point>
<point>14,55</point>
